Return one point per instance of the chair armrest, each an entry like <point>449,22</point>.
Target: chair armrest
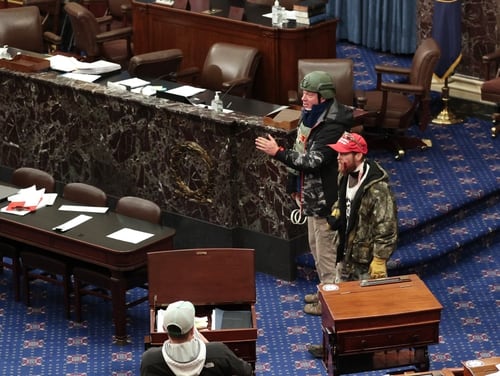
<point>187,73</point>
<point>121,33</point>
<point>52,38</point>
<point>392,69</point>
<point>228,85</point>
<point>402,88</point>
<point>490,59</point>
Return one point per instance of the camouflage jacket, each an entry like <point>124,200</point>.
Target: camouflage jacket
<point>373,228</point>
<point>316,167</point>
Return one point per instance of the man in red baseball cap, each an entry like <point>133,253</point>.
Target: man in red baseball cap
<point>365,214</point>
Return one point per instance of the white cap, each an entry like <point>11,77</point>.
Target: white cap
<point>179,318</point>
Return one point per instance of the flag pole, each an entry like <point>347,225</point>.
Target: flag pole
<point>446,117</point>
<point>446,30</point>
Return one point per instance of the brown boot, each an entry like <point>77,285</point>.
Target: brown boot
<point>313,309</point>
<point>311,298</point>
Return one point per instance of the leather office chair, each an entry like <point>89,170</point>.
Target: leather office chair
<point>22,177</point>
<point>394,107</point>
<point>341,71</point>
<point>85,194</point>
<point>120,12</point>
<point>199,6</point>
<point>162,64</point>
<point>180,4</point>
<point>229,68</point>
<point>54,268</point>
<point>21,28</point>
<point>93,43</point>
<point>236,13</point>
<point>97,281</point>
<point>50,11</point>
<point>490,89</point>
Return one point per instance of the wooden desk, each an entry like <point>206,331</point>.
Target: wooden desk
<point>378,327</point>
<point>88,242</point>
<point>158,27</point>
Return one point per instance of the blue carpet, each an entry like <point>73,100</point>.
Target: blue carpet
<point>449,216</point>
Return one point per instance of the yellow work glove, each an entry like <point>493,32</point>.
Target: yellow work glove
<point>333,219</point>
<point>378,268</point>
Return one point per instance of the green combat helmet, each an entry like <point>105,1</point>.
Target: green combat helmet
<point>319,82</point>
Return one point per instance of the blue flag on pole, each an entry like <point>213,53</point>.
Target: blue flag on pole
<point>447,32</point>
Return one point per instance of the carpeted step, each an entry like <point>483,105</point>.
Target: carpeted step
<point>477,229</point>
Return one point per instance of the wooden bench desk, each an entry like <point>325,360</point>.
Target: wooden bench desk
<point>379,326</point>
<point>88,242</point>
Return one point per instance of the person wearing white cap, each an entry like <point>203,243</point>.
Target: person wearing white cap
<point>187,352</point>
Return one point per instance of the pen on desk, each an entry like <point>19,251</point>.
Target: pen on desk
<point>229,105</point>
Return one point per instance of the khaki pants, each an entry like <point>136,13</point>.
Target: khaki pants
<point>321,244</point>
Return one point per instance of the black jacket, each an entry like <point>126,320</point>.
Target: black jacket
<point>317,166</point>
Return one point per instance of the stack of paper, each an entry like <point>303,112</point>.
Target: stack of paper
<point>28,200</point>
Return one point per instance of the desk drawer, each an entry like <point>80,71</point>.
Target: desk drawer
<point>390,338</point>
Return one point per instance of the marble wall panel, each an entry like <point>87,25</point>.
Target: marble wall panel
<point>188,160</point>
<point>480,31</point>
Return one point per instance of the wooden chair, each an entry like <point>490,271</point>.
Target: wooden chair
<point>21,27</point>
<point>23,177</point>
<point>97,281</point>
<point>51,267</point>
<point>341,71</point>
<point>162,64</point>
<point>490,89</point>
<point>394,107</point>
<point>91,42</point>
<point>199,6</point>
<point>229,68</point>
<point>236,13</point>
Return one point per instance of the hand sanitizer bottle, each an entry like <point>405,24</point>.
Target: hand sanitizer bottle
<point>276,14</point>
<point>217,104</point>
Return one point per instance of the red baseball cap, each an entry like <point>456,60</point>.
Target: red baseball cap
<point>350,143</point>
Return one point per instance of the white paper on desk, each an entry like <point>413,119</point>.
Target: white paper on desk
<point>132,83</point>
<point>30,196</point>
<point>72,223</point>
<point>186,90</point>
<point>19,212</point>
<point>130,236</point>
<point>85,209</point>
<point>48,199</point>
<point>81,77</point>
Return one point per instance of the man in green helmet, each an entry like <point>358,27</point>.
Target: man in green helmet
<point>313,170</point>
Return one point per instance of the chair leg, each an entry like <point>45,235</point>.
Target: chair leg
<point>77,285</point>
<point>494,128</point>
<point>67,291</point>
<point>26,285</point>
<point>16,275</point>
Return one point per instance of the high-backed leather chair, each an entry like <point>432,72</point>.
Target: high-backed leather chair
<point>54,268</point>
<point>394,107</point>
<point>120,12</point>
<point>50,11</point>
<point>22,177</point>
<point>97,281</point>
<point>21,27</point>
<point>341,71</point>
<point>92,42</point>
<point>490,89</point>
<point>227,68</point>
<point>162,64</point>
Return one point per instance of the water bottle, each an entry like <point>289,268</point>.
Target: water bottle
<point>276,14</point>
<point>217,105</point>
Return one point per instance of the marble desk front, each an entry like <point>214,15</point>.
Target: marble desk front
<point>201,168</point>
